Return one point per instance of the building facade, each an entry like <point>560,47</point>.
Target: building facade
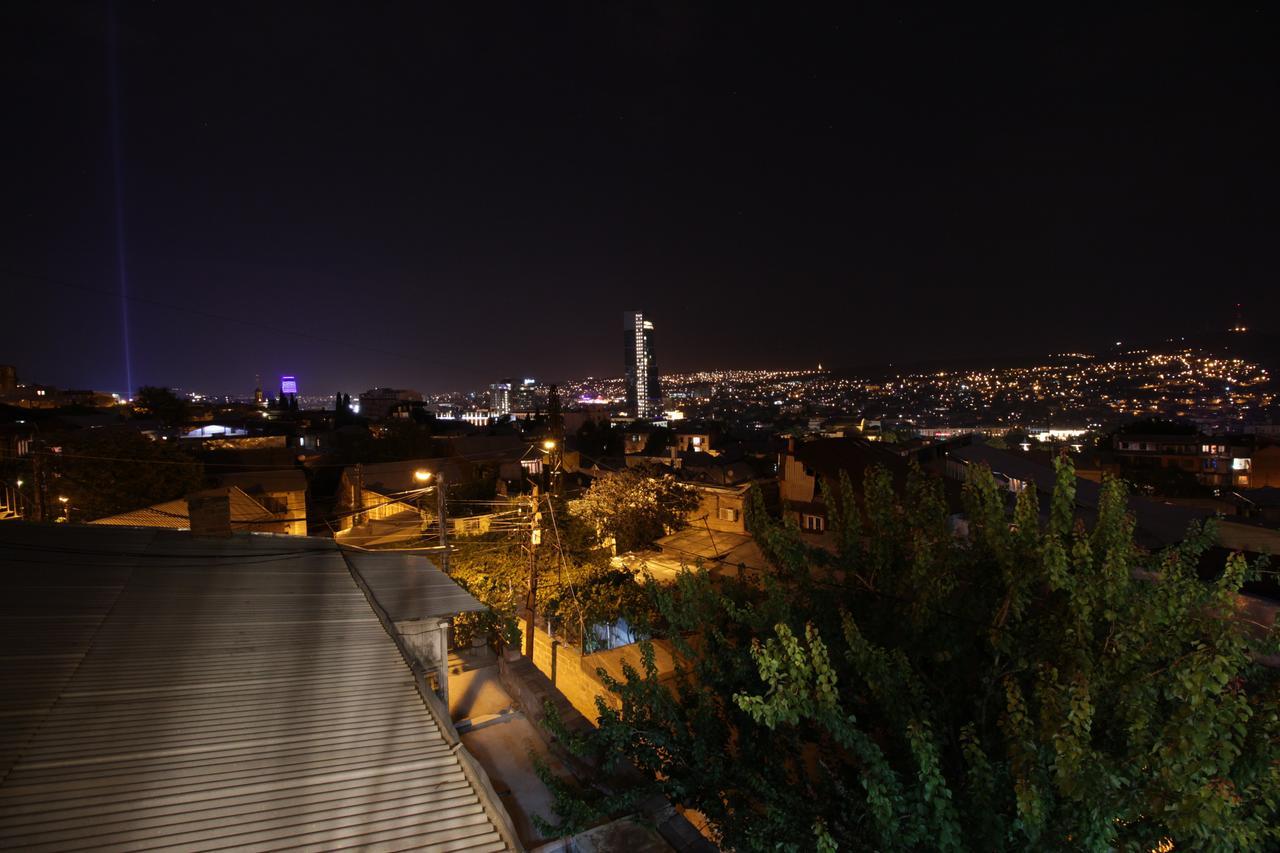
<point>377,403</point>
<point>1214,461</point>
<point>644,393</point>
<point>500,399</point>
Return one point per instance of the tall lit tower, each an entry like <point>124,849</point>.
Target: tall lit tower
<point>644,394</point>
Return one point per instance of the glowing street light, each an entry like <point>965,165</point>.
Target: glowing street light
<point>549,445</point>
<point>422,475</point>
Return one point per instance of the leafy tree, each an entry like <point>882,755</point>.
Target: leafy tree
<point>660,438</point>
<point>161,404</point>
<point>599,440</point>
<point>105,472</point>
<point>1028,685</point>
<point>636,506</point>
<point>577,588</point>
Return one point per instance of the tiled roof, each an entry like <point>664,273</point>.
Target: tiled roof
<point>173,514</point>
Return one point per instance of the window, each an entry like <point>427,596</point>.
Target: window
<point>813,523</point>
<point>726,513</point>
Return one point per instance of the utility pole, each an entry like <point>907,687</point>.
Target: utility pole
<point>357,496</point>
<point>531,602</point>
<point>444,522</point>
<point>37,484</point>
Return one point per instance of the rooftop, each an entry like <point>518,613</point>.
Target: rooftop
<point>164,690</point>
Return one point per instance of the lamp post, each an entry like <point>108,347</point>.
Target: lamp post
<point>441,490</point>
<point>549,468</point>
<point>422,476</point>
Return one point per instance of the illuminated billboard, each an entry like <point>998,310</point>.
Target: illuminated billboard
<point>288,385</point>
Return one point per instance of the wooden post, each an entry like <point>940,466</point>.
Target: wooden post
<point>441,494</point>
<point>531,602</point>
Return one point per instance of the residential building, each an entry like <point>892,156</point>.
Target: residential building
<point>500,398</point>
<point>283,492</point>
<point>1265,468</point>
<point>695,441</point>
<point>377,403</point>
<point>1215,461</point>
<point>644,392</point>
<point>806,470</point>
<point>246,514</point>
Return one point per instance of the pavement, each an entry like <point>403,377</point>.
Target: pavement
<point>499,736</point>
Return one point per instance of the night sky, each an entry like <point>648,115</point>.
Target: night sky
<point>439,195</point>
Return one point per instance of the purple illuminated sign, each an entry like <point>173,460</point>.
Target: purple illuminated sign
<point>288,385</point>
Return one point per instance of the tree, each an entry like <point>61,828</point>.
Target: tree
<point>577,587</point>
<point>161,404</point>
<point>598,440</point>
<point>1029,685</point>
<point>660,438</point>
<point>107,472</point>
<point>636,506</point>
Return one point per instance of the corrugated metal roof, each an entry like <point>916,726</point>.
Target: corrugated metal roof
<point>164,691</point>
<point>409,586</point>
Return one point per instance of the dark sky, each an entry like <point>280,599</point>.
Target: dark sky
<point>437,195</point>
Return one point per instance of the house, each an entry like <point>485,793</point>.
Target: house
<point>693,440</point>
<point>247,515</point>
<point>1265,467</point>
<point>282,491</point>
<point>805,471</point>
<point>1215,461</point>
<point>722,507</point>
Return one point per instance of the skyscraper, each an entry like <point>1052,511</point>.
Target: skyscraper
<point>644,394</point>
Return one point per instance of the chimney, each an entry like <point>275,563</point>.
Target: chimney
<point>210,513</point>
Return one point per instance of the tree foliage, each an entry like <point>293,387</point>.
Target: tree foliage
<point>161,404</point>
<point>107,472</point>
<point>577,587</point>
<point>1030,684</point>
<point>636,506</point>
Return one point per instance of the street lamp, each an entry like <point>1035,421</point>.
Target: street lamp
<point>422,476</point>
<point>549,448</point>
<point>63,499</point>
